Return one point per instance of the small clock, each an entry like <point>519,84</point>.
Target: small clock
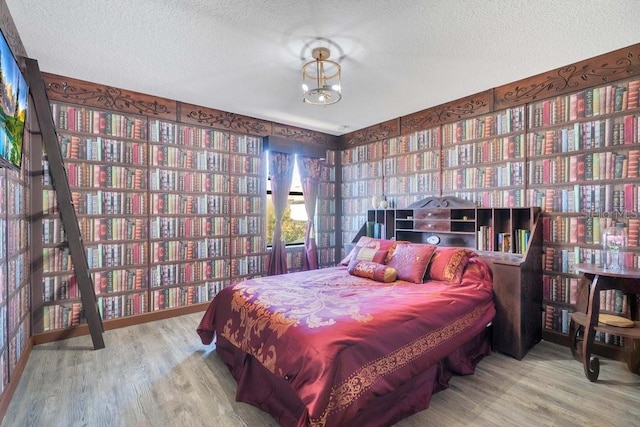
<point>433,239</point>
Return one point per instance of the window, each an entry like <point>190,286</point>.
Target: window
<point>294,221</point>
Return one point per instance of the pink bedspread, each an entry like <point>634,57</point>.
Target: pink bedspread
<point>339,340</point>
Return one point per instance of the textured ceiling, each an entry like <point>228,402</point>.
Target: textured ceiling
<point>245,57</point>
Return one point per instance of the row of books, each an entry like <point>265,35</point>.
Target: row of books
<point>187,204</point>
<point>608,132</point>
<point>487,151</point>
<point>119,280</point>
<point>489,240</point>
<point>18,308</point>
<point>196,182</point>
<point>326,224</point>
<point>198,226</point>
<point>428,139</point>
<point>326,190</point>
<point>15,195</point>
<point>101,149</point>
<point>583,167</point>
<point>412,163</point>
<point>365,170</point>
<point>185,250</point>
<point>106,176</point>
<point>246,185</point>
<point>182,272</point>
<point>59,288</point>
<point>560,289</point>
<point>244,144</point>
<point>81,119</point>
<point>240,165</point>
<point>245,245</point>
<point>248,265</point>
<point>191,158</point>
<point>18,271</point>
<point>505,175</point>
<point>326,257</point>
<point>3,330</point>
<point>576,229</point>
<point>507,121</point>
<point>247,204</point>
<point>18,342</point>
<point>98,256</point>
<point>184,295</point>
<point>563,260</point>
<point>295,259</point>
<point>359,188</point>
<point>62,316</point>
<point>592,200</point>
<point>326,238</point>
<point>499,197</point>
<point>16,233</point>
<point>115,255</point>
<point>375,230</point>
<point>169,133</point>
<point>102,229</point>
<point>362,154</point>
<point>247,225</point>
<point>99,202</point>
<point>590,102</point>
<point>556,318</point>
<point>112,307</point>
<point>418,184</point>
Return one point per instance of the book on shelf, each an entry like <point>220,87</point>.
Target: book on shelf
<point>504,242</point>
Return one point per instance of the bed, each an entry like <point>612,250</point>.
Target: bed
<point>339,346</point>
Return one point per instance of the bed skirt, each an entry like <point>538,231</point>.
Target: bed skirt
<point>258,387</point>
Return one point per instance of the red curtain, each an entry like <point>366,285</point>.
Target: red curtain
<point>280,174</point>
<point>309,169</point>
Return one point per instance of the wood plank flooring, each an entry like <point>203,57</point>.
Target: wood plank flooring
<point>159,374</point>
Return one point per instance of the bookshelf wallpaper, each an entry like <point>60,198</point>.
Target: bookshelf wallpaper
<point>575,156</point>
<point>170,213</point>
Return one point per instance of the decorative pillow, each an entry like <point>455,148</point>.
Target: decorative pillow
<point>411,260</point>
<point>369,242</point>
<point>367,253</point>
<point>448,264</point>
<point>373,270</point>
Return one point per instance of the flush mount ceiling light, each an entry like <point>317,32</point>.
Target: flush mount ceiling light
<point>321,79</point>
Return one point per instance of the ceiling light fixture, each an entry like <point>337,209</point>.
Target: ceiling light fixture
<point>321,80</point>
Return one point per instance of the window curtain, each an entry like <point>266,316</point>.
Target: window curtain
<point>309,169</point>
<point>281,175</point>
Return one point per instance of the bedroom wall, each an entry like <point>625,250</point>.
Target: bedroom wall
<point>439,151</point>
<point>15,291</point>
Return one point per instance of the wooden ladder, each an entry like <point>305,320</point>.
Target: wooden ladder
<point>68,217</point>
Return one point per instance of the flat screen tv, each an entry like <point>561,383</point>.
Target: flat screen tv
<point>14,93</point>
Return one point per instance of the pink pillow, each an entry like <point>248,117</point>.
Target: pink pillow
<point>373,270</point>
<point>411,260</point>
<point>369,242</point>
<point>448,264</point>
<point>368,254</point>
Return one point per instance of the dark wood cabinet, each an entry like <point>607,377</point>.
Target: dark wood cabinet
<point>516,267</point>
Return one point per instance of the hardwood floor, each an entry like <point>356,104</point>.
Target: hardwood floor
<point>159,374</point>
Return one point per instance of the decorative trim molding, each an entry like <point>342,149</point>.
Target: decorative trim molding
<point>616,65</point>
<point>305,135</point>
<point>95,95</point>
<point>10,31</point>
<point>222,120</point>
<point>470,106</point>
<point>101,96</point>
<point>620,64</point>
<point>383,130</point>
